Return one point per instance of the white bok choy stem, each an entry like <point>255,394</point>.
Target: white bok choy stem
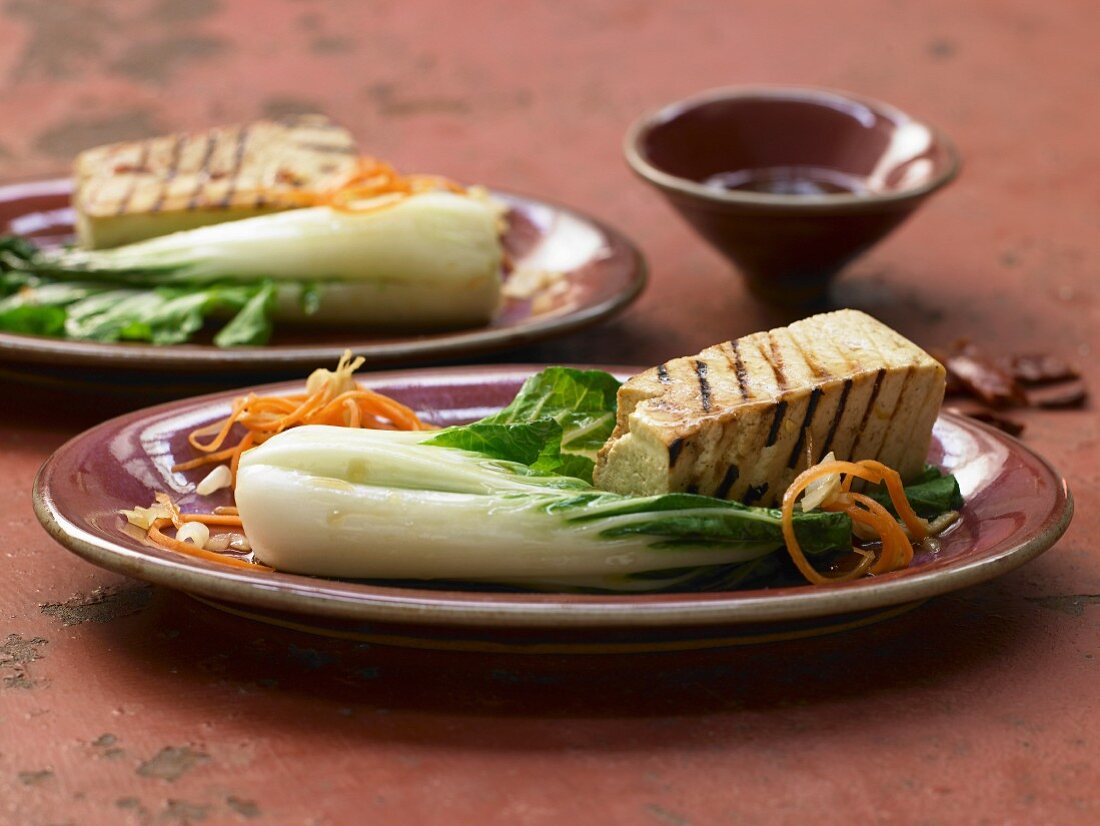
<point>336,502</point>
<point>430,260</point>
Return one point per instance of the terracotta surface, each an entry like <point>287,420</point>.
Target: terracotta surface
<point>121,703</point>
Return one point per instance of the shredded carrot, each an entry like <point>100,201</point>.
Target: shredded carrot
<point>243,445</point>
<point>373,181</point>
<point>917,527</point>
<point>332,398</point>
<point>157,535</point>
<point>209,459</point>
<point>222,431</point>
<point>231,520</point>
<point>897,550</point>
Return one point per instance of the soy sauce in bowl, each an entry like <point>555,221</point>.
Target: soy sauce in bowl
<point>790,180</point>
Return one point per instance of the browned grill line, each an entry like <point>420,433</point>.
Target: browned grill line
<point>815,368</point>
<point>807,421</point>
<point>662,373</point>
<point>777,419</point>
<point>728,481</point>
<point>238,161</point>
<point>674,452</point>
<point>776,361</point>
<point>879,376</point>
<point>739,369</point>
<point>143,159</point>
<point>170,173</point>
<point>836,418</point>
<point>201,176</point>
<point>755,494</point>
<point>901,395</point>
<point>704,385</point>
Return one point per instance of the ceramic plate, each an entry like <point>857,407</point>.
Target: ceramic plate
<point>1016,507</point>
<point>603,271</point>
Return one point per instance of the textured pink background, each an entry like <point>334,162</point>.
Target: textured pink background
<point>978,707</point>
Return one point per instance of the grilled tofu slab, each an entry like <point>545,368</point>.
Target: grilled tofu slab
<point>126,192</point>
<point>741,419</point>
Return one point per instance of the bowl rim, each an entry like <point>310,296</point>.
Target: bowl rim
<point>805,94</point>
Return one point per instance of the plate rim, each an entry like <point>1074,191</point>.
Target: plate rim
<point>16,348</point>
<point>366,602</point>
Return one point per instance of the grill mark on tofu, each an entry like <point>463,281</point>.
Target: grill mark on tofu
<point>737,435</point>
<point>739,369</point>
<point>238,162</point>
<point>704,385</point>
<point>170,172</point>
<point>879,376</point>
<point>905,429</point>
<point>777,419</point>
<point>774,356</point>
<point>728,481</point>
<point>818,375</point>
<point>807,421</point>
<point>203,170</point>
<point>191,179</point>
<point>662,373</point>
<point>836,419</point>
<point>897,403</point>
<point>770,356</point>
<point>674,452</point>
<point>819,372</point>
<point>138,168</point>
<point>754,494</point>
<point>821,338</point>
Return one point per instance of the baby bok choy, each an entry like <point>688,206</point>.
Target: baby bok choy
<point>507,499</point>
<point>389,505</point>
<point>425,261</point>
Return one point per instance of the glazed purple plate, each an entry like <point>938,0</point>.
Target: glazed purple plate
<point>602,273</point>
<point>1016,507</point>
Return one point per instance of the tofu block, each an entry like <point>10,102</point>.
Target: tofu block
<point>741,419</point>
<point>126,192</point>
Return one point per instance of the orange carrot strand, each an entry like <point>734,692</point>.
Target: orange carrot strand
<point>209,459</point>
<point>242,446</point>
<point>896,488</point>
<point>238,405</point>
<point>227,520</point>
<point>157,535</point>
<point>334,399</point>
<point>897,550</point>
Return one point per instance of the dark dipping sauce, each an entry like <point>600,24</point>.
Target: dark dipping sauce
<point>790,180</point>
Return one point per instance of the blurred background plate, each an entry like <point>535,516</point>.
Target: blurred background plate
<point>603,271</point>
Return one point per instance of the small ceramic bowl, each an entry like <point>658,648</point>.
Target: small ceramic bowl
<point>790,184</point>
